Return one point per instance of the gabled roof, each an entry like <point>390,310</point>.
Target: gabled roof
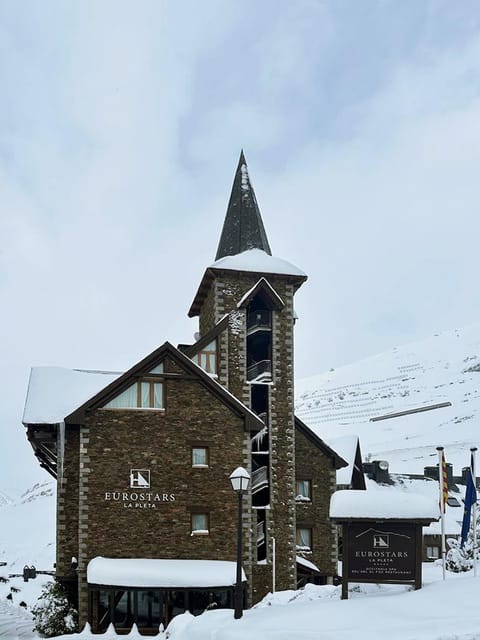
<point>348,446</point>
<point>264,287</point>
<point>252,421</point>
<point>243,226</point>
<point>191,349</point>
<point>251,261</point>
<point>320,444</point>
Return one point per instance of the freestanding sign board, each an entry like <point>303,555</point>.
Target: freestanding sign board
<point>387,552</point>
<point>382,536</point>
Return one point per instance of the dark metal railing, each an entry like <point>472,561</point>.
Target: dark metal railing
<point>259,479</point>
<point>260,533</point>
<point>260,369</point>
<point>259,320</point>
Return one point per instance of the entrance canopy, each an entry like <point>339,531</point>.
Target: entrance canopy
<point>161,574</point>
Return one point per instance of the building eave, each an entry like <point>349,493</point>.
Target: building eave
<point>339,462</point>
<point>251,421</point>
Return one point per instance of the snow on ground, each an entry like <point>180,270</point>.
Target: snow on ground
<point>442,368</point>
<point>439,611</point>
<point>27,537</point>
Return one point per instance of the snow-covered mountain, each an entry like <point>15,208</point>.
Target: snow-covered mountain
<point>444,368</point>
<point>27,537</point>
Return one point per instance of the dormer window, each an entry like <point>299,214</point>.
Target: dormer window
<point>207,357</point>
<point>146,393</point>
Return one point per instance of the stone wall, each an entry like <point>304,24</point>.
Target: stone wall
<point>227,289</point>
<point>312,464</point>
<point>160,441</point>
<point>67,501</point>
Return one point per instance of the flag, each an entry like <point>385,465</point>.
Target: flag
<point>470,500</point>
<point>444,497</point>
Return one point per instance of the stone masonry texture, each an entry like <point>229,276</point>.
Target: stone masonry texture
<point>161,442</point>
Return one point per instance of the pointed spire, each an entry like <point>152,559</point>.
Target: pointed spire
<point>243,227</point>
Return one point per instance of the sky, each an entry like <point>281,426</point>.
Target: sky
<point>120,129</point>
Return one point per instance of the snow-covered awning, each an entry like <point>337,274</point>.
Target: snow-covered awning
<point>160,573</point>
<point>388,503</point>
<point>307,564</point>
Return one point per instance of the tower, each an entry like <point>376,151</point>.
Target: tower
<point>245,303</point>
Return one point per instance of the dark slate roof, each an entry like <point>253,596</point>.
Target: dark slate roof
<point>243,227</point>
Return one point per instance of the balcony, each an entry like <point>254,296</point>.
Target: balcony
<point>259,479</point>
<point>259,321</point>
<point>260,371</point>
<point>260,533</point>
<point>260,442</point>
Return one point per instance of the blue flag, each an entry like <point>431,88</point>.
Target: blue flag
<point>470,500</point>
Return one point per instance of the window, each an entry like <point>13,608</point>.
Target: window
<point>199,456</point>
<point>207,357</point>
<point>303,490</point>
<point>433,553</point>
<point>200,524</point>
<point>146,393</point>
<point>304,539</point>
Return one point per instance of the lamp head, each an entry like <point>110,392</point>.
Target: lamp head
<point>240,479</point>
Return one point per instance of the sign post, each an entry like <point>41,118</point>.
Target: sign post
<point>382,536</point>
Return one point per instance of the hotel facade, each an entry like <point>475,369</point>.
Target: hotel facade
<point>146,517</point>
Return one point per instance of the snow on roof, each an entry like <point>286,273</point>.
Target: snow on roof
<point>258,261</point>
<point>251,290</point>
<point>307,564</point>
<point>387,503</point>
<point>429,488</point>
<point>346,447</point>
<point>143,572</point>
<point>54,392</point>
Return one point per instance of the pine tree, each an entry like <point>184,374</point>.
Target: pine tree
<point>54,615</point>
<point>461,558</point>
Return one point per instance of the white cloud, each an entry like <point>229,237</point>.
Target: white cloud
<point>119,136</point>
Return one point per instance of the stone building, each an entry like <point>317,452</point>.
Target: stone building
<point>146,518</point>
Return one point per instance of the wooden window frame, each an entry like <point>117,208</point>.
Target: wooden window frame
<point>209,354</point>
<point>151,396</point>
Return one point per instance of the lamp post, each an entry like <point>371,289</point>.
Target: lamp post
<point>239,479</point>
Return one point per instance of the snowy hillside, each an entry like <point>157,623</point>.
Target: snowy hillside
<point>27,537</point>
<point>442,369</point>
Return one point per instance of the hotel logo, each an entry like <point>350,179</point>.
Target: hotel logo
<point>139,478</point>
<point>381,541</point>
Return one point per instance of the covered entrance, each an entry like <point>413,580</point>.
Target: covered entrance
<point>150,592</point>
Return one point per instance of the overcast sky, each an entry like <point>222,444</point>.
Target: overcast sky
<point>120,129</point>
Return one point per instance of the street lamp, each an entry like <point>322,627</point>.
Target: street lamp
<point>239,479</point>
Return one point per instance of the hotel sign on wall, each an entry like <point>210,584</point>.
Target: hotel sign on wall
<point>138,493</point>
<point>381,552</point>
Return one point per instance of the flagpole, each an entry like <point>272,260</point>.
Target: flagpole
<point>441,502</point>
<point>474,510</point>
